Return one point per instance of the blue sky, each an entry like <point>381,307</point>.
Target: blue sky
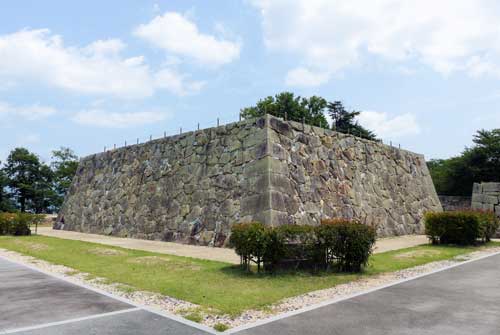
<point>91,74</point>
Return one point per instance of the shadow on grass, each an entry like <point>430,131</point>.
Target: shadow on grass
<point>237,271</point>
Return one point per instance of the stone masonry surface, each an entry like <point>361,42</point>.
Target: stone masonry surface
<point>454,203</point>
<point>486,196</point>
<point>192,187</point>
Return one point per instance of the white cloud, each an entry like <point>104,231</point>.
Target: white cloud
<point>303,77</point>
<point>332,35</point>
<point>98,68</point>
<point>386,127</point>
<point>176,34</point>
<point>28,139</point>
<point>102,118</point>
<point>30,113</point>
<point>177,83</point>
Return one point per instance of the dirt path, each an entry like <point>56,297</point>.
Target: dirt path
<point>215,254</point>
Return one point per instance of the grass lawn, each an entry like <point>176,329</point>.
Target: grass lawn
<point>215,285</point>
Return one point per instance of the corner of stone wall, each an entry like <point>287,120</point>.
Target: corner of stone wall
<point>256,202</point>
<point>268,181</point>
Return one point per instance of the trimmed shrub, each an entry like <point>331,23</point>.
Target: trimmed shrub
<point>298,247</point>
<point>18,223</point>
<point>347,244</point>
<point>465,227</point>
<point>251,242</point>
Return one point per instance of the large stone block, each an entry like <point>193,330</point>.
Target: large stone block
<point>491,187</point>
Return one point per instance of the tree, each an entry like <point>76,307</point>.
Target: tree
<point>451,176</point>
<point>64,165</point>
<point>484,157</point>
<point>29,181</point>
<point>345,122</point>
<point>480,163</point>
<point>286,105</point>
<point>5,202</point>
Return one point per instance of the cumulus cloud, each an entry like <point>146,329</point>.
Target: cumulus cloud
<point>303,77</point>
<point>29,112</point>
<point>178,35</point>
<point>332,35</point>
<point>98,68</point>
<point>386,127</point>
<point>177,83</point>
<point>105,119</point>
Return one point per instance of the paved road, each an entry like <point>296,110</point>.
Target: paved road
<point>34,303</point>
<point>462,300</point>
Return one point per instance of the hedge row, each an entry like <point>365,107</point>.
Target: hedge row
<point>341,244</point>
<point>465,227</point>
<point>18,223</point>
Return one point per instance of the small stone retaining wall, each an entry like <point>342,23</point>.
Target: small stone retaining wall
<point>454,203</point>
<point>486,196</point>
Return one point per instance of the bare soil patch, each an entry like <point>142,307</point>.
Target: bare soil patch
<point>107,252</point>
<point>149,260</point>
<point>417,253</point>
<point>33,245</point>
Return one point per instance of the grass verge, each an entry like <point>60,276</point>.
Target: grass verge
<point>215,285</point>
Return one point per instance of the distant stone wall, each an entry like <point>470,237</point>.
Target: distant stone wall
<point>486,196</point>
<point>192,187</point>
<point>454,203</point>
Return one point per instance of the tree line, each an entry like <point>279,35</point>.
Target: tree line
<point>27,184</point>
<point>479,163</point>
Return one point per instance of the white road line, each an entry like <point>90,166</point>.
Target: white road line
<point>336,300</point>
<point>130,302</point>
<point>57,323</point>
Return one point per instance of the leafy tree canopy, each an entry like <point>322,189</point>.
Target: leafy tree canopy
<point>28,180</point>
<point>480,163</point>
<point>5,202</point>
<point>64,165</point>
<point>287,105</point>
<point>309,110</point>
<point>344,121</point>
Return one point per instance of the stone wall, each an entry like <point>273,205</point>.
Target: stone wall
<point>192,187</point>
<point>187,188</point>
<point>486,196</point>
<point>454,203</point>
<point>318,173</point>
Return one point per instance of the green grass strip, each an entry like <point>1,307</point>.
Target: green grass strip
<point>215,285</point>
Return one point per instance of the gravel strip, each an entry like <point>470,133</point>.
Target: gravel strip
<point>176,306</point>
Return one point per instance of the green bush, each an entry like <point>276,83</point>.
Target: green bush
<point>465,227</point>
<point>251,242</point>
<point>347,244</point>
<point>342,244</point>
<point>18,223</point>
<point>298,246</point>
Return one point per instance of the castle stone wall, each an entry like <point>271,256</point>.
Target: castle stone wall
<point>455,203</point>
<point>319,173</point>
<point>486,196</point>
<point>192,187</point>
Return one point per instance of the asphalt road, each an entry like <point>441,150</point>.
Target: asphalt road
<point>34,303</point>
<point>461,300</point>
